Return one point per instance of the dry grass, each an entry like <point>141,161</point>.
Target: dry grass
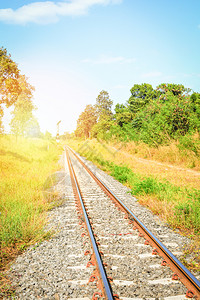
<point>161,163</point>
<point>169,154</point>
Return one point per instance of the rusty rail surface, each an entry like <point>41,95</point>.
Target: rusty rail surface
<point>180,271</point>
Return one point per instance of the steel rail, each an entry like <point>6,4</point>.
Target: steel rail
<point>106,284</point>
<point>185,276</point>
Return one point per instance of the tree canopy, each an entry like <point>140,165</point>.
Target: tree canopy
<point>122,114</point>
<point>23,108</point>
<point>103,105</point>
<point>86,121</point>
<point>14,89</point>
<point>154,116</point>
<point>141,94</point>
<point>174,89</point>
<point>9,74</point>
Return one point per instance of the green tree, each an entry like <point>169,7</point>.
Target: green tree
<point>122,115</point>
<point>23,109</point>
<point>104,115</point>
<point>142,94</point>
<point>195,107</point>
<point>103,106</point>
<point>175,89</point>
<point>195,101</point>
<point>161,121</point>
<point>86,121</point>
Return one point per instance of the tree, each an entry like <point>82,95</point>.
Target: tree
<point>177,90</point>
<point>142,94</point>
<point>32,128</point>
<point>104,115</point>
<point>195,108</point>
<point>86,121</point>
<point>103,105</point>
<point>195,101</point>
<point>122,115</point>
<point>9,85</point>
<point>23,108</point>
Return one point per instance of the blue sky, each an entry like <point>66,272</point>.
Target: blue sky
<point>73,49</point>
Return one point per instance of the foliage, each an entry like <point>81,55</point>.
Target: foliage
<point>24,167</point>
<point>174,89</point>
<point>190,143</point>
<point>121,173</point>
<point>22,114</point>
<point>159,122</point>
<point>153,116</point>
<point>32,128</point>
<point>102,128</point>
<point>104,116</point>
<point>86,121</point>
<point>142,94</point>
<point>160,115</point>
<point>103,106</point>
<point>122,115</point>
<point>9,85</point>
<point>9,74</point>
<point>15,89</point>
<point>95,121</point>
<point>195,107</point>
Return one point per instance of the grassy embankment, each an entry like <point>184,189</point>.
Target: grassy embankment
<point>162,183</point>
<point>24,166</point>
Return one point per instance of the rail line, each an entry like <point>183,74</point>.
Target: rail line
<point>87,216</point>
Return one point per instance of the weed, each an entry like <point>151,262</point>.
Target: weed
<point>121,173</point>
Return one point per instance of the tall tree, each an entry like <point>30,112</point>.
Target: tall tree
<point>9,85</point>
<point>24,107</point>
<point>103,106</point>
<point>86,121</point>
<point>104,114</point>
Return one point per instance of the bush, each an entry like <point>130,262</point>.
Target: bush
<point>188,142</point>
<point>121,173</point>
<point>188,213</point>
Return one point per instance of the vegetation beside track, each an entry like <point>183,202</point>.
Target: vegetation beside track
<point>171,194</point>
<point>24,166</point>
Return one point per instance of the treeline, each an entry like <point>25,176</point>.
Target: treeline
<point>16,92</point>
<point>154,116</point>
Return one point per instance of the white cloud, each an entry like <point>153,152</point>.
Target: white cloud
<point>109,60</point>
<point>152,74</point>
<point>49,11</point>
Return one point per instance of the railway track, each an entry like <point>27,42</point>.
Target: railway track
<point>99,251</point>
<point>127,260</point>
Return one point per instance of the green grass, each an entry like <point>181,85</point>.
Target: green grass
<point>24,166</point>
